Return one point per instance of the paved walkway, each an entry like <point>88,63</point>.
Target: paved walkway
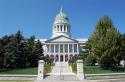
<point>61,71</point>
<point>61,68</point>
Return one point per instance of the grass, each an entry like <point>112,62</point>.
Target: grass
<point>98,70</point>
<point>95,69</point>
<point>74,67</point>
<point>30,71</point>
<point>47,68</point>
<point>26,71</point>
<point>15,81</point>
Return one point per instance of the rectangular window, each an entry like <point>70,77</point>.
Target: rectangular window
<point>61,48</point>
<point>75,48</point>
<point>70,48</point>
<point>47,48</point>
<point>57,48</point>
<point>66,48</point>
<point>52,48</point>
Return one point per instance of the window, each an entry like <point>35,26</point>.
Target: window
<point>61,27</point>
<point>52,48</point>
<point>66,48</point>
<point>75,48</point>
<point>57,48</point>
<point>70,47</point>
<point>57,27</point>
<point>64,28</point>
<point>61,48</point>
<point>47,48</point>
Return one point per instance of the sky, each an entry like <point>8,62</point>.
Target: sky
<point>36,17</point>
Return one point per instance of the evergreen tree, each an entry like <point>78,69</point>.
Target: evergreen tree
<point>122,51</point>
<point>104,44</point>
<point>30,51</point>
<point>19,52</point>
<point>37,53</point>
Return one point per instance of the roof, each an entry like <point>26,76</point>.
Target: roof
<point>61,38</point>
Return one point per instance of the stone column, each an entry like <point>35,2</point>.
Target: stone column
<point>73,48</point>
<point>49,49</point>
<point>63,57</point>
<point>66,28</point>
<point>68,52</point>
<point>40,70</point>
<point>59,53</point>
<point>63,28</point>
<point>77,48</point>
<point>80,72</point>
<point>54,48</point>
<point>63,52</point>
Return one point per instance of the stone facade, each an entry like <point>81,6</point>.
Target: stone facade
<point>61,46</point>
<point>80,71</point>
<point>40,70</point>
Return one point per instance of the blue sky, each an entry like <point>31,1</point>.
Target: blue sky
<point>35,17</point>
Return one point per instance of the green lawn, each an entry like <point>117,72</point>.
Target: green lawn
<point>47,68</point>
<point>16,81</point>
<point>30,71</point>
<point>98,70</point>
<point>74,67</point>
<point>27,71</point>
<point>95,69</point>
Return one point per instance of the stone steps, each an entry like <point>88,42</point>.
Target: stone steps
<point>62,77</point>
<point>61,71</point>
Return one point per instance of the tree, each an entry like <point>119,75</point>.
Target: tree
<point>30,45</point>
<point>37,53</point>
<point>104,43</point>
<point>9,47</point>
<point>19,52</point>
<point>122,51</point>
<point>14,51</point>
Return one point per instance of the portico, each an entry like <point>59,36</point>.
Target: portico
<point>62,51</point>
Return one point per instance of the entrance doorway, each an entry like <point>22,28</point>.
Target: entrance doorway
<point>61,58</point>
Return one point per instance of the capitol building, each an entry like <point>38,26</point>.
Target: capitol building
<point>61,46</point>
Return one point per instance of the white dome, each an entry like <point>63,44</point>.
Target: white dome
<point>61,15</point>
<point>61,18</point>
<point>61,25</point>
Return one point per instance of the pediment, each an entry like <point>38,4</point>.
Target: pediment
<point>61,39</point>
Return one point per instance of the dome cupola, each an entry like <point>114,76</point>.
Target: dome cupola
<point>61,25</point>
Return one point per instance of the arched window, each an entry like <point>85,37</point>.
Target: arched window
<point>61,27</point>
<point>57,27</point>
<point>64,28</point>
